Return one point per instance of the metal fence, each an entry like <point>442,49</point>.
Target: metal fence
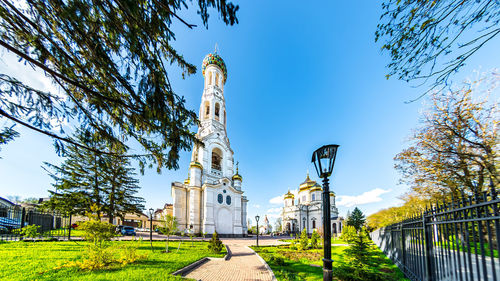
<point>449,241</point>
<point>52,224</point>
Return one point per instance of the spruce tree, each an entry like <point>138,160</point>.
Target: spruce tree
<point>356,219</point>
<point>88,178</point>
<point>110,61</point>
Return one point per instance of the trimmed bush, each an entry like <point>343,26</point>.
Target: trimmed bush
<point>215,245</point>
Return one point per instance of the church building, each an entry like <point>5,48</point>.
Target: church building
<point>211,198</point>
<point>307,212</point>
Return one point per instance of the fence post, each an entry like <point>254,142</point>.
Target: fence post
<point>428,248</point>
<point>23,218</point>
<point>69,229</point>
<point>403,250</point>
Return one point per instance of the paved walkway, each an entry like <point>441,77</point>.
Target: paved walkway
<point>244,265</point>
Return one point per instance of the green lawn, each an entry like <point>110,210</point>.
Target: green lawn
<point>299,264</point>
<point>37,260</point>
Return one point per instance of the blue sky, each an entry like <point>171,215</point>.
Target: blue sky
<point>299,76</point>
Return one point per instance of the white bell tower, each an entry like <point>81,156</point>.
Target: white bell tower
<point>216,156</point>
<point>212,199</point>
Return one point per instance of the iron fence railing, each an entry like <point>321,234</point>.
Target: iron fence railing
<point>51,224</point>
<point>449,241</point>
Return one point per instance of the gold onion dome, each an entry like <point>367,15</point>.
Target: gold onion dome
<point>214,59</point>
<point>332,193</point>
<point>289,195</point>
<point>195,164</point>
<point>308,183</point>
<point>237,176</point>
<point>315,187</point>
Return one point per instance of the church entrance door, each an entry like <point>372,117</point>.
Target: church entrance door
<point>224,224</point>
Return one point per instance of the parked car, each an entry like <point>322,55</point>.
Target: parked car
<point>128,230</point>
<point>4,230</point>
<point>119,228</point>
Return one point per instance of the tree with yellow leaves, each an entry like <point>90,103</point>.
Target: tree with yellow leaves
<point>455,149</point>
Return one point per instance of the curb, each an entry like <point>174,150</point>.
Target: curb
<point>229,253</point>
<point>273,278</point>
<point>185,270</point>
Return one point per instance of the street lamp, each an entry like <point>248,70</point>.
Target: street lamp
<point>151,211</point>
<point>323,159</point>
<point>257,220</point>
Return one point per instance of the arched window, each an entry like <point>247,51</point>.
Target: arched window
<point>314,224</point>
<point>220,198</point>
<point>217,79</point>
<point>228,200</point>
<point>207,110</point>
<point>217,159</point>
<point>313,197</point>
<point>217,111</point>
<point>303,223</point>
<point>210,78</point>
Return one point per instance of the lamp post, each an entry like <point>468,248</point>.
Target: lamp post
<point>257,220</point>
<point>151,211</point>
<point>323,159</point>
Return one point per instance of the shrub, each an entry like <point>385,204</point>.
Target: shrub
<point>278,260</point>
<point>215,245</point>
<point>96,230</point>
<point>304,240</point>
<point>315,239</point>
<point>356,272</point>
<point>30,231</point>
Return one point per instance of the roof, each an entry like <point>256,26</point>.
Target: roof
<point>308,183</point>
<point>214,59</point>
<point>289,195</point>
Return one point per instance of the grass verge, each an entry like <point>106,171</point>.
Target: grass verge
<point>307,264</point>
<point>37,260</point>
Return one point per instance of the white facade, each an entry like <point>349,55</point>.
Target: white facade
<point>211,199</point>
<point>307,211</point>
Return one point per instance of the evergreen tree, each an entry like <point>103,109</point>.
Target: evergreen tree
<point>108,60</point>
<point>315,239</point>
<point>304,240</point>
<point>215,245</point>
<point>79,180</point>
<point>87,178</point>
<point>121,187</point>
<point>356,219</point>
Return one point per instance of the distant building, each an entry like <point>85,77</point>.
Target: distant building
<point>168,209</point>
<point>266,227</point>
<point>307,212</point>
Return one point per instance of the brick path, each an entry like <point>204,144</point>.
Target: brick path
<point>244,264</point>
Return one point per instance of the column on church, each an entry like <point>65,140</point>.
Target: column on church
<point>194,209</point>
<point>244,202</point>
<point>208,214</point>
<point>181,205</point>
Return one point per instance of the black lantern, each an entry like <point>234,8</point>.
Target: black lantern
<point>324,158</point>
<point>151,212</point>
<point>257,220</point>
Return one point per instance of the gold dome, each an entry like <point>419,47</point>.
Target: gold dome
<point>289,195</point>
<point>316,187</point>
<point>308,183</point>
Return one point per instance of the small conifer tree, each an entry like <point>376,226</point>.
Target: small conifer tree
<point>215,245</point>
<point>315,239</point>
<point>304,240</point>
